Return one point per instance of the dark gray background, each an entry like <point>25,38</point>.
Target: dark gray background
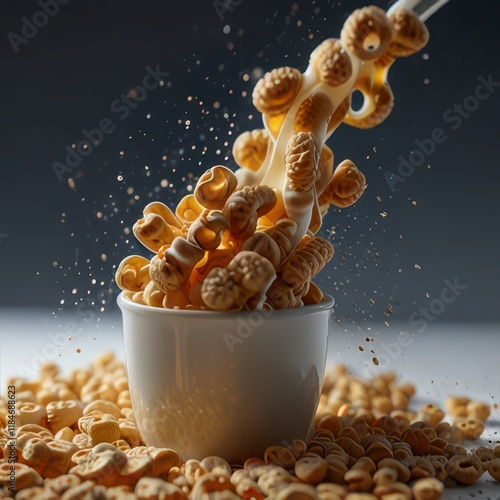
<point>65,79</point>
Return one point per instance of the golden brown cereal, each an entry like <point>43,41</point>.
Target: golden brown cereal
<point>332,63</point>
<point>472,428</point>
<point>248,274</point>
<point>250,149</point>
<point>346,186</point>
<point>148,488</point>
<point>409,33</point>
<point>494,469</point>
<point>214,187</point>
<point>62,414</point>
<point>302,158</point>
<point>297,491</point>
<point>484,455</point>
<point>276,90</point>
<point>367,33</point>
<point>133,273</point>
<point>358,480</point>
<point>311,469</point>
<point>465,469</point>
<point>30,413</point>
<point>479,410</point>
<point>188,209</point>
<point>100,427</point>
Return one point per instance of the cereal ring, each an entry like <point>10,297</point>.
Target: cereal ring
<point>367,33</point>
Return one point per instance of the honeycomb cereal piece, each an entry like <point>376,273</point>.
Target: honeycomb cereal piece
<point>171,268</point>
<point>409,33</point>
<point>346,186</point>
<point>367,33</point>
<point>133,273</point>
<point>250,149</point>
<point>275,92</point>
<point>214,187</point>
<point>206,231</point>
<point>281,232</point>
<point>245,206</point>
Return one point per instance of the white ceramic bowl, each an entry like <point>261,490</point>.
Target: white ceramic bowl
<point>227,384</point>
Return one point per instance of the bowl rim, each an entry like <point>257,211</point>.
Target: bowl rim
<point>126,303</point>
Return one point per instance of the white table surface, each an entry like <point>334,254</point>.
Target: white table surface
<point>444,359</point>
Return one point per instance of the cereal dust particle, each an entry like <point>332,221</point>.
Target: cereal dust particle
<point>375,361</point>
<point>78,351</point>
<point>361,348</point>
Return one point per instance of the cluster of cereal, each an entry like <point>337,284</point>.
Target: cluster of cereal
<point>247,240</point>
<point>76,438</point>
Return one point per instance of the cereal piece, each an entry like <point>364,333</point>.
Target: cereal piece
<point>260,242</point>
<point>38,493</point>
<point>104,407</point>
<point>367,33</point>
<point>100,427</point>
<point>358,480</point>
<point>275,92</point>
<point>346,186</point>
<point>130,433</point>
<point>149,488</point>
<point>214,187</point>
<point>245,206</point>
<point>297,491</point>
<point>431,415</point>
<point>409,33</point>
<point>403,471</point>
<point>30,413</point>
<point>61,484</point>
<point>188,209</point>
<point>206,231</point>
<point>158,227</point>
<point>479,410</point>
<point>65,434</point>
<point>494,469</point>
<point>217,464</point>
<point>247,275</point>
<point>472,428</point>
<point>281,456</point>
<point>62,414</point>
<point>311,469</point>
<point>465,469</point>
<point>124,400</point>
<point>456,406</point>
<point>171,268</point>
<point>250,149</point>
<point>417,439</point>
<point>274,479</point>
<point>281,232</point>
<point>133,273</point>
<point>330,491</point>
<point>25,476</point>
<point>331,62</point>
<point>302,159</point>
<point>484,455</point>
<point>420,467</point>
